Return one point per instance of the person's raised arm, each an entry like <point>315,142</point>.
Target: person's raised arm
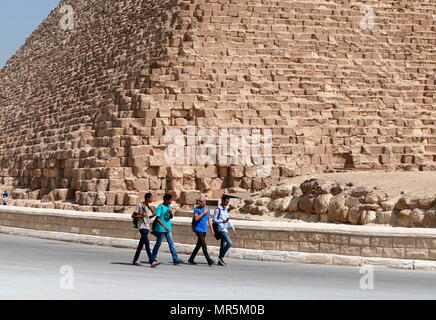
<point>199,216</point>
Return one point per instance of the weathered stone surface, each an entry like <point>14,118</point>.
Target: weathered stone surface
<point>189,197</point>
<point>360,191</point>
<point>267,193</point>
<point>402,203</point>
<point>275,204</point>
<point>306,203</point>
<point>262,210</point>
<point>352,202</point>
<point>296,191</point>
<point>429,220</point>
<point>321,203</point>
<point>251,209</point>
<point>293,204</point>
<point>412,202</point>
<point>281,192</point>
<point>250,201</point>
<point>368,216</point>
<point>312,186</point>
<point>374,207</point>
<point>417,217</point>
<point>405,213</point>
<point>426,202</point>
<point>331,187</point>
<point>338,211</point>
<point>384,217</point>
<point>284,204</point>
<point>405,220</point>
<point>100,199</point>
<point>63,194</point>
<point>262,201</point>
<point>390,204</point>
<point>375,197</point>
<point>354,215</point>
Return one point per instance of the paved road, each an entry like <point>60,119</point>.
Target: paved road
<point>30,269</point>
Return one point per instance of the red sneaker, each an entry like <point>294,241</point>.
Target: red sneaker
<point>137,263</point>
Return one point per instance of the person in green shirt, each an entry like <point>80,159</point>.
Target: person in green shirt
<point>163,228</point>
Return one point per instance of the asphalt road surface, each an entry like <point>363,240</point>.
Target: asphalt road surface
<point>44,269</point>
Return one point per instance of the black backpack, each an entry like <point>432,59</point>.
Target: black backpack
<point>215,227</point>
<point>135,223</point>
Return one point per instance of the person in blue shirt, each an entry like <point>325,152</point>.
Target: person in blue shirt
<point>202,218</point>
<point>163,228</point>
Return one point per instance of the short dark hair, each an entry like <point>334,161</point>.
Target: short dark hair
<point>224,198</point>
<point>167,197</point>
<point>147,196</point>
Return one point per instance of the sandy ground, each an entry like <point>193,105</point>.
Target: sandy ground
<point>393,183</point>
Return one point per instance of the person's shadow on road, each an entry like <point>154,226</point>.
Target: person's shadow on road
<point>129,264</point>
<point>148,263</point>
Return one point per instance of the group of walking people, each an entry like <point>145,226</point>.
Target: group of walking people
<point>160,225</point>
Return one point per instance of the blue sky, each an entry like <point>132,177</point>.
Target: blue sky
<point>18,19</point>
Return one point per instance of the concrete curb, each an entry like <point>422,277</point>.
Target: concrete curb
<point>234,253</point>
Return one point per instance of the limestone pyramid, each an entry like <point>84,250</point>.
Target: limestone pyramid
<point>85,110</point>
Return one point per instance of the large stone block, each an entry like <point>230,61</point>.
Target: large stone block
<point>429,220</point>
<point>338,211</point>
<point>189,197</point>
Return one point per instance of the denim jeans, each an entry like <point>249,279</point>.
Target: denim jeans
<point>142,241</point>
<point>226,243</point>
<point>159,238</point>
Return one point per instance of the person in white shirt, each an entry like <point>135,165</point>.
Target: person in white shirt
<point>221,220</point>
<point>144,215</point>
